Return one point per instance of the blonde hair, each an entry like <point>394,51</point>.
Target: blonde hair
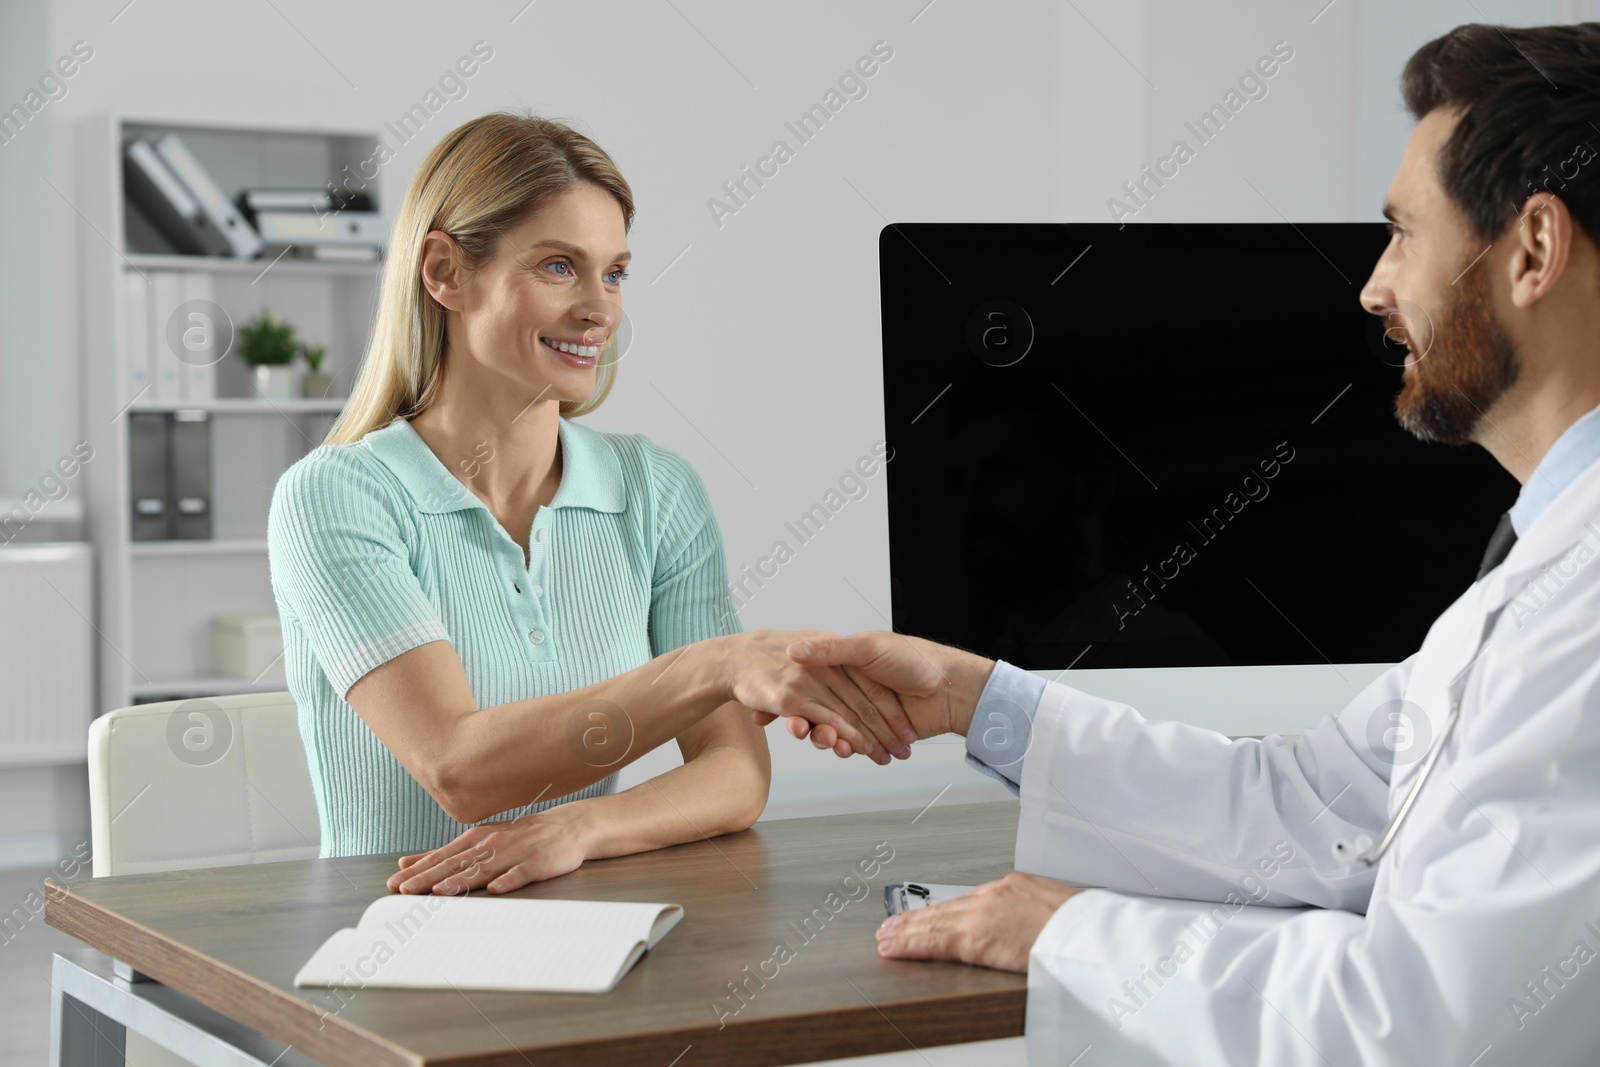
<point>484,178</point>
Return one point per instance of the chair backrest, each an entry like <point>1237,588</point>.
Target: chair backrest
<point>205,782</point>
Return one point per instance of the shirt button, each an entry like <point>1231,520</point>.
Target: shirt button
<point>536,590</point>
<point>538,535</point>
<point>536,636</point>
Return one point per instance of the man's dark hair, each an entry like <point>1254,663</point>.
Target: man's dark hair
<point>1530,100</point>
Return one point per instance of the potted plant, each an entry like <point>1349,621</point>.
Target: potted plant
<point>315,384</point>
<point>268,345</point>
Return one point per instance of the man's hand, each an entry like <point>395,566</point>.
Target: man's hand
<point>938,686</point>
<point>994,925</point>
<point>760,673</point>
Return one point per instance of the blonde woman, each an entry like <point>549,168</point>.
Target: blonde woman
<point>489,608</point>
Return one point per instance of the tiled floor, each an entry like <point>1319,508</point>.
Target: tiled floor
<point>25,970</point>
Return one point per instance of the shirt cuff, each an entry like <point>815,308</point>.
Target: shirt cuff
<point>1002,724</point>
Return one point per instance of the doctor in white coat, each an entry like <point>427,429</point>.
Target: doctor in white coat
<point>1335,899</point>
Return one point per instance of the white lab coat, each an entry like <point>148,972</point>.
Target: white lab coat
<point>1478,930</point>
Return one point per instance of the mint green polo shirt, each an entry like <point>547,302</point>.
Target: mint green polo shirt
<point>375,548</point>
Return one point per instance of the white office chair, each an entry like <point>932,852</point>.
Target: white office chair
<point>206,782</point>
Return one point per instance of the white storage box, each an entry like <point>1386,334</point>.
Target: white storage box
<point>245,643</point>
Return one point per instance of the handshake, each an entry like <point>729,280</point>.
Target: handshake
<point>873,692</point>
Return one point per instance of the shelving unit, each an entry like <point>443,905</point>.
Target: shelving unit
<point>206,686</point>
<point>246,406</point>
<point>156,598</point>
<point>252,267</point>
<point>191,548</point>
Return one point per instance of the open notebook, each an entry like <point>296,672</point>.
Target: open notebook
<point>499,943</point>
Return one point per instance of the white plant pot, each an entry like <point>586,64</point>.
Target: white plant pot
<point>275,381</point>
<point>316,385</point>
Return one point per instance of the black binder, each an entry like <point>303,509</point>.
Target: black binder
<point>189,475</point>
<point>147,459</point>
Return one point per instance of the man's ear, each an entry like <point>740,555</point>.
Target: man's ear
<point>443,269</point>
<point>1541,244</point>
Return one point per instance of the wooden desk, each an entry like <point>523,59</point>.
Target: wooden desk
<point>232,938</point>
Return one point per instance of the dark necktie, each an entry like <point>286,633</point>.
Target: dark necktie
<point>1500,543</point>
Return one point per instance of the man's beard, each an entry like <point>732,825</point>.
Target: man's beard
<point>1470,363</point>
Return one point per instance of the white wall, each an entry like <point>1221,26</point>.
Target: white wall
<point>36,399</point>
<point>758,350</point>
<point>40,807</point>
<point>1389,33</point>
<point>1286,154</point>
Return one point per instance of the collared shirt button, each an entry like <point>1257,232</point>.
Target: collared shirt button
<point>536,590</point>
<point>538,535</point>
<point>536,636</point>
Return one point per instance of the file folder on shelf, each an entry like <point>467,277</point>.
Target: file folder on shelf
<point>147,454</point>
<point>189,475</point>
<point>197,337</point>
<point>241,241</point>
<point>135,383</point>
<point>318,201</point>
<point>360,228</point>
<point>166,369</point>
<point>158,193</point>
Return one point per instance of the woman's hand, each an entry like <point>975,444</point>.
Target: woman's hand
<point>760,674</point>
<point>501,856</point>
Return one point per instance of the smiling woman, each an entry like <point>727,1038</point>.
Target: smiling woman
<point>481,180</point>
<point>480,595</point>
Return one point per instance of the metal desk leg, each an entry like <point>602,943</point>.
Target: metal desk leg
<point>79,1035</point>
<point>91,1010</point>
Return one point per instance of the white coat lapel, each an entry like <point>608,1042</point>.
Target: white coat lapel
<point>1564,538</point>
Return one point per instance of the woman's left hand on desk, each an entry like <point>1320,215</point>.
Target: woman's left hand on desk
<point>500,855</point>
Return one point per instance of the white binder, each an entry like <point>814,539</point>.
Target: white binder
<point>166,369</point>
<point>166,201</point>
<point>134,382</point>
<point>198,336</point>
<point>218,209</point>
<point>356,228</point>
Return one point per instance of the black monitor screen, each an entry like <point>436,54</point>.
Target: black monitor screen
<point>1162,445</point>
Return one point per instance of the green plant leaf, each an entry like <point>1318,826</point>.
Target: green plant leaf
<point>267,340</point>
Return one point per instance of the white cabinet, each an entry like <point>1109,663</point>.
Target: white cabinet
<point>45,647</point>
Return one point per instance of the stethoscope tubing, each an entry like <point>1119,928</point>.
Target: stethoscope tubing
<point>1373,854</point>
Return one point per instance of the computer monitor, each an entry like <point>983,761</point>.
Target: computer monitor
<point>1171,446</point>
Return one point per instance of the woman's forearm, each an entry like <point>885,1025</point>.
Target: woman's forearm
<point>479,763</point>
<point>720,791</point>
<point>514,754</point>
<point>721,788</point>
